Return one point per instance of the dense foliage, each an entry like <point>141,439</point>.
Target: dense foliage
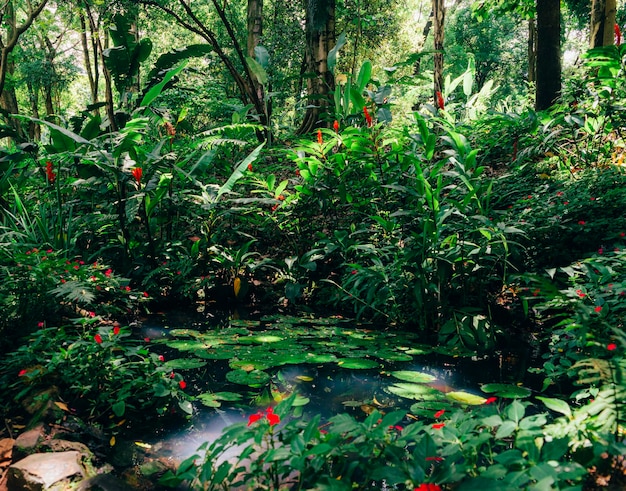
<point>471,225</point>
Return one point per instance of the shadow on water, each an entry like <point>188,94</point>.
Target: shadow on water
<point>328,387</point>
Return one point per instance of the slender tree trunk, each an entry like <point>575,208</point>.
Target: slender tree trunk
<point>439,13</point>
<point>320,39</point>
<point>34,131</point>
<point>602,21</point>
<point>548,53</point>
<point>532,51</point>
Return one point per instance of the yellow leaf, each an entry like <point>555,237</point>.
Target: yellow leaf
<point>237,286</point>
<point>304,378</point>
<point>112,441</point>
<point>62,405</point>
<point>143,445</point>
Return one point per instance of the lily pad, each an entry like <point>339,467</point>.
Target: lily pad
<point>320,358</point>
<point>415,377</point>
<point>414,391</point>
<point>255,378</point>
<point>214,399</point>
<point>466,398</point>
<point>506,390</point>
<point>184,363</point>
<point>215,354</point>
<point>357,363</point>
<point>185,345</point>
<point>260,339</point>
<point>248,365</point>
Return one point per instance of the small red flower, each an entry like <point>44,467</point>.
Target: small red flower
<point>97,338</point>
<point>147,340</point>
<point>622,234</point>
<point>581,294</point>
<point>320,139</point>
<point>611,346</point>
<point>600,251</point>
<point>137,172</point>
<point>336,126</point>
<point>161,358</point>
<point>618,35</point>
<point>438,426</point>
<point>440,102</point>
<point>22,372</point>
<point>108,272</point>
<point>428,487</point>
<point>273,418</point>
<point>116,330</point>
<point>440,413</point>
<point>146,294</point>
<point>250,167</point>
<point>51,176</point>
<point>40,324</point>
<point>598,309</point>
<point>368,117</point>
<point>581,222</point>
<point>254,418</point>
<point>434,459</point>
<point>182,384</point>
<point>491,400</point>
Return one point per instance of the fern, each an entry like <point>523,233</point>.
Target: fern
<point>74,291</point>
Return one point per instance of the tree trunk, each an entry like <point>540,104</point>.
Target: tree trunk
<point>602,22</point>
<point>548,53</point>
<point>439,13</point>
<point>532,51</point>
<point>427,27</point>
<point>320,39</point>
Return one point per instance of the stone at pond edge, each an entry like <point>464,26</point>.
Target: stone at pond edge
<point>40,472</point>
<point>27,442</point>
<point>103,482</point>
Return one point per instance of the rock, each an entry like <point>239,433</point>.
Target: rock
<point>27,442</point>
<point>58,445</point>
<point>40,472</point>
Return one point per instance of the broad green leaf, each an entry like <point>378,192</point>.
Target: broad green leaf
<point>506,390</point>
<point>415,377</point>
<point>331,59</point>
<point>466,398</point>
<point>257,70</point>
<point>236,175</point>
<point>155,91</point>
<point>556,405</point>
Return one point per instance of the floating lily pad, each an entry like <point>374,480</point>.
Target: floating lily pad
<point>184,363</point>
<point>215,354</point>
<point>255,378</point>
<point>414,391</point>
<point>214,399</point>
<point>260,339</point>
<point>415,377</point>
<point>185,345</point>
<point>248,365</point>
<point>466,398</point>
<point>320,358</point>
<point>506,390</point>
<point>389,355</point>
<point>357,363</point>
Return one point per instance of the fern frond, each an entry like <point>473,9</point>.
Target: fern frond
<point>73,291</point>
<point>593,371</point>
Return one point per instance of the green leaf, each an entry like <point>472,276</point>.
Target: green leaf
<point>236,175</point>
<point>365,74</point>
<point>257,70</point>
<point>331,60</point>
<point>357,363</point>
<point>184,363</point>
<point>415,377</point>
<point>466,398</point>
<point>155,91</point>
<point>119,408</point>
<point>506,390</point>
<point>556,405</point>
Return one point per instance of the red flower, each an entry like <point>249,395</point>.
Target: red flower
<point>618,35</point>
<point>250,167</point>
<point>320,140</point>
<point>161,358</point>
<point>22,372</point>
<point>440,102</point>
<point>581,222</point>
<point>491,400</point>
<point>108,272</point>
<point>439,413</point>
<point>428,487</point>
<point>273,419</point>
<point>182,384</point>
<point>434,459</point>
<point>116,330</point>
<point>336,126</point>
<point>254,418</point>
<point>147,340</point>
<point>581,294</point>
<point>611,346</point>
<point>137,172</point>
<point>438,426</point>
<point>598,309</point>
<point>368,117</point>
<point>146,294</point>
<point>50,172</point>
<point>97,338</point>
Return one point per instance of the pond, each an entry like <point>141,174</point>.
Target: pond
<point>233,367</point>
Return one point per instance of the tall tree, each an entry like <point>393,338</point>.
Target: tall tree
<point>548,53</point>
<point>320,39</point>
<point>9,37</point>
<point>603,14</point>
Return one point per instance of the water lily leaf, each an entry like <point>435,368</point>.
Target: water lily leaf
<point>214,399</point>
<point>506,390</point>
<point>392,355</point>
<point>415,377</point>
<point>184,363</point>
<point>255,378</point>
<point>466,398</point>
<point>248,365</point>
<point>260,339</point>
<point>320,358</point>
<point>357,363</point>
<point>215,354</point>
<point>413,391</point>
<point>185,345</point>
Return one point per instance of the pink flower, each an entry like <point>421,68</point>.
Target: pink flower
<point>161,358</point>
<point>147,340</point>
<point>581,222</point>
<point>40,324</point>
<point>108,272</point>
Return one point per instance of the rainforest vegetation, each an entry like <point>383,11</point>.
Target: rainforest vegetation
<point>389,178</point>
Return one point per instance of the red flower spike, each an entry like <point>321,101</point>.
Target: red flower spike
<point>250,167</point>
<point>50,175</point>
<point>611,346</point>
<point>253,418</point>
<point>336,126</point>
<point>618,35</point>
<point>440,102</point>
<point>368,117</point>
<point>320,139</point>
<point>97,338</point>
<point>440,413</point>
<point>137,172</point>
